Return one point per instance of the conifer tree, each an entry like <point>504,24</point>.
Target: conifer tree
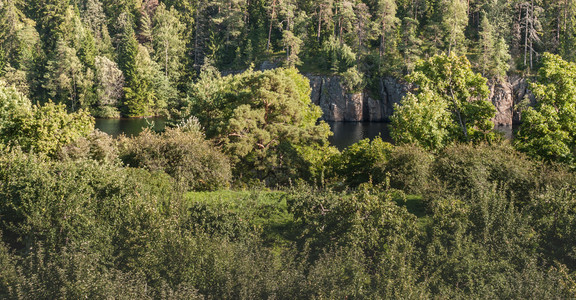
<point>168,43</point>
<point>66,79</point>
<point>454,22</point>
<point>127,48</point>
<point>387,20</point>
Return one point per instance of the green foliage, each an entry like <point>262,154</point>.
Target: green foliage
<point>9,277</point>
<point>239,215</point>
<point>451,105</point>
<point>265,121</point>
<point>423,120</point>
<point>80,227</point>
<point>548,130</point>
<point>97,146</point>
<point>371,230</point>
<point>13,105</point>
<point>362,162</point>
<point>183,153</point>
<point>470,169</point>
<point>353,80</point>
<point>409,168</point>
<point>45,129</point>
<point>338,57</point>
<point>76,219</point>
<point>148,91</point>
<point>493,55</point>
<point>169,47</point>
<point>109,82</point>
<point>67,81</point>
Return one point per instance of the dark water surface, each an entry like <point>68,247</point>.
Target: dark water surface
<point>348,133</point>
<point>345,133</point>
<point>129,127</point>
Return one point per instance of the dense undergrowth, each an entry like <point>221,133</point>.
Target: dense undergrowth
<point>466,222</point>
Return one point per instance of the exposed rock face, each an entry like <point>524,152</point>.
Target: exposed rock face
<point>502,96</point>
<point>506,96</point>
<point>339,105</point>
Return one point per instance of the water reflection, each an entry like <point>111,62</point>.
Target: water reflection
<point>345,133</point>
<point>348,133</point>
<point>130,127</point>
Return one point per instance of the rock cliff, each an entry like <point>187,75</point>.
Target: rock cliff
<point>339,105</point>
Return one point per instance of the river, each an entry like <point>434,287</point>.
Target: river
<point>345,133</point>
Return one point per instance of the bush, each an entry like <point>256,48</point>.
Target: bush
<point>353,80</point>
<point>467,169</point>
<point>409,168</point>
<point>84,228</point>
<point>97,146</point>
<point>183,153</point>
<point>106,112</point>
<point>362,162</point>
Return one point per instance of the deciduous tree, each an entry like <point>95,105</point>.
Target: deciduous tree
<point>451,105</point>
<point>548,130</point>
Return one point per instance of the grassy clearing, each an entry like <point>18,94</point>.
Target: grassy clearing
<point>265,211</point>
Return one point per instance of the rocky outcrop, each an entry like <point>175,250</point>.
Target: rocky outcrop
<point>375,106</point>
<point>336,103</point>
<point>506,96</point>
<point>339,105</point>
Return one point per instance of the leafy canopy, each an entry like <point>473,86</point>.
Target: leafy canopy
<point>42,129</point>
<point>450,105</point>
<point>548,130</point>
<point>265,121</point>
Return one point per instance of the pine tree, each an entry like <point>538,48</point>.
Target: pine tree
<point>387,20</point>
<point>493,58</point>
<point>486,46</point>
<point>454,23</point>
<point>66,78</point>
<point>363,27</point>
<point>127,48</point>
<point>94,19</point>
<point>54,18</point>
<point>19,39</point>
<point>410,43</point>
<point>168,43</point>
<point>324,13</point>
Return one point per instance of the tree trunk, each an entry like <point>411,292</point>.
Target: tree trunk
<point>271,23</point>
<point>319,23</point>
<point>526,34</point>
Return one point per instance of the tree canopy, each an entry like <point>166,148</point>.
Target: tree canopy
<point>450,104</point>
<point>39,128</point>
<point>548,129</point>
<point>263,119</point>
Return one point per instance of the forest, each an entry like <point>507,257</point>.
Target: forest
<point>242,196</point>
<point>138,57</point>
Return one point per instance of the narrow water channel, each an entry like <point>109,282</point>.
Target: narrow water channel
<point>345,133</point>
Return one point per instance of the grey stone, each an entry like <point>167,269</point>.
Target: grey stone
<point>339,105</point>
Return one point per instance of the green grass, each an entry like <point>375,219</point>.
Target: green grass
<point>263,210</point>
<point>266,212</point>
<point>415,205</point>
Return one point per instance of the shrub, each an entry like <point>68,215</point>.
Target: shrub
<point>362,162</point>
<point>98,146</point>
<point>409,168</point>
<point>182,153</point>
<point>468,169</point>
<point>107,112</point>
<point>353,80</point>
